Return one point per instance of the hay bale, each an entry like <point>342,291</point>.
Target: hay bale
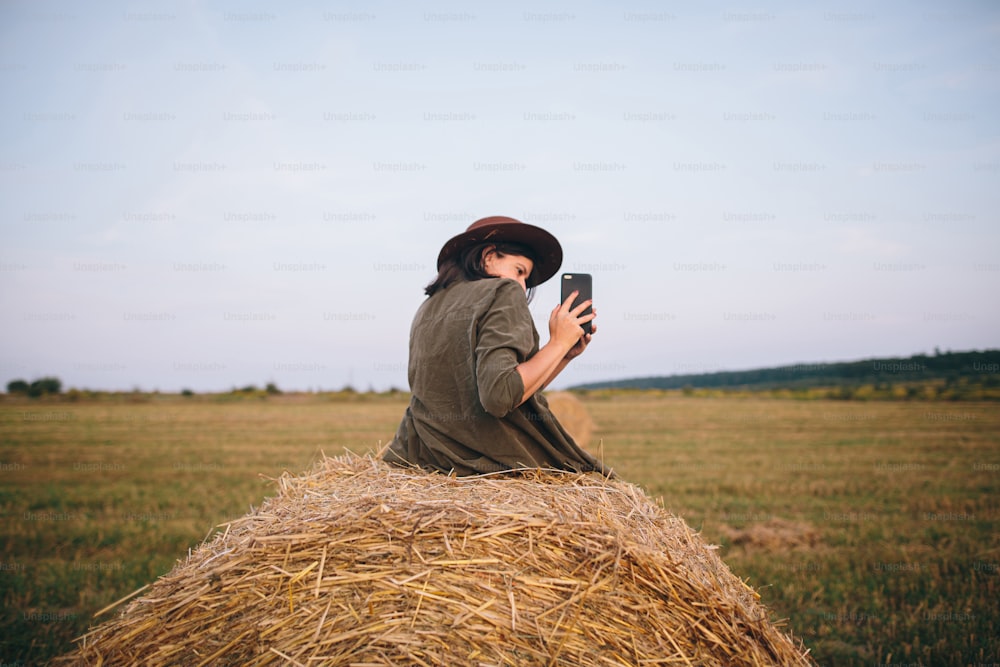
<point>572,415</point>
<point>774,535</point>
<point>362,563</point>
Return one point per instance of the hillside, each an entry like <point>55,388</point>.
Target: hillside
<point>979,368</point>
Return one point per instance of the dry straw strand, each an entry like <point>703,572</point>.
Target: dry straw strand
<point>361,563</point>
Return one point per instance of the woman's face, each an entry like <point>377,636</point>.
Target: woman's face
<point>514,267</point>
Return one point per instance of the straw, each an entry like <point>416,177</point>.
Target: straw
<point>361,563</point>
<point>572,414</point>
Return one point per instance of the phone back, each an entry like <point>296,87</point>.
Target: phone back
<point>584,284</point>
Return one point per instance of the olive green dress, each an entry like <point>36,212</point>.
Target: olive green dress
<point>465,344</point>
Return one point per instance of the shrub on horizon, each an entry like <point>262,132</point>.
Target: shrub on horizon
<point>39,387</point>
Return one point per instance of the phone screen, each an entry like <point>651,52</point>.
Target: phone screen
<point>584,284</point>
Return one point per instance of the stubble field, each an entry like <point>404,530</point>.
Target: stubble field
<point>870,526</point>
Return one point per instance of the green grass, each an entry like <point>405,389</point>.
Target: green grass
<point>871,527</point>
<point>895,505</point>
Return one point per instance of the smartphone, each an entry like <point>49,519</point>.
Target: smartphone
<point>584,284</point>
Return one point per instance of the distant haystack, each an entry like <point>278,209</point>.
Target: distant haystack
<point>572,415</point>
<point>362,563</point>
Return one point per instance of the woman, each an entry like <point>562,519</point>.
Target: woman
<point>476,371</point>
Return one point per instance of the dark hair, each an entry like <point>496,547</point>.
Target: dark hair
<point>468,265</point>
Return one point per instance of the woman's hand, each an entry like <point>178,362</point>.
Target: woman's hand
<point>565,326</point>
<point>566,341</point>
<point>581,344</point>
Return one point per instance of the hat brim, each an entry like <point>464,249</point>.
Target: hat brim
<point>548,251</point>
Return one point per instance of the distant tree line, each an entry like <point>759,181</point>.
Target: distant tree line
<point>40,387</point>
<point>982,367</point>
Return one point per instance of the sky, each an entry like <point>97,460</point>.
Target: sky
<point>211,195</point>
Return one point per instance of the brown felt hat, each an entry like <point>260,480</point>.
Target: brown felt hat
<point>548,252</point>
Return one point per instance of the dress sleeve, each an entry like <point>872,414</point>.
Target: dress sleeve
<point>505,338</point>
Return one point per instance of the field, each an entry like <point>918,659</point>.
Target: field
<point>870,526</point>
